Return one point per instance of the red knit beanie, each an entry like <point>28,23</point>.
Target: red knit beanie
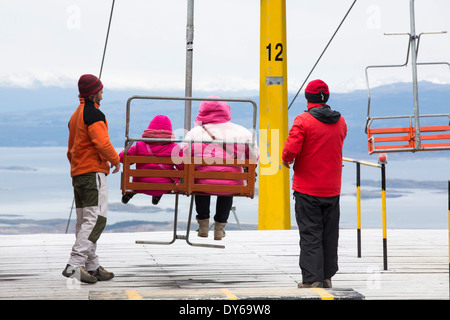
<point>317,91</point>
<point>89,85</point>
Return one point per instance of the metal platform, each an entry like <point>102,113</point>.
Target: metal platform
<point>254,265</point>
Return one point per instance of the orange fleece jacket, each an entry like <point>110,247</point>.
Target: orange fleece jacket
<point>90,148</point>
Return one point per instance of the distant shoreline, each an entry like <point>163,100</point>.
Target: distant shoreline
<point>58,226</point>
<point>14,223</point>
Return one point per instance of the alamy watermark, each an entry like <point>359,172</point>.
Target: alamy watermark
<point>73,21</point>
<point>229,149</point>
<point>73,282</point>
<point>373,21</point>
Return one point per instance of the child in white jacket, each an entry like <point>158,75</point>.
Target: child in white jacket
<point>213,124</point>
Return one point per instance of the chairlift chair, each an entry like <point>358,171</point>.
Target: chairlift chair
<point>188,185</point>
<point>410,137</point>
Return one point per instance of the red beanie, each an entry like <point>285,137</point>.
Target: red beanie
<point>317,91</point>
<point>89,85</point>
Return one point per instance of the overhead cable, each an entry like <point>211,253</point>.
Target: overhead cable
<point>106,41</point>
<point>326,47</point>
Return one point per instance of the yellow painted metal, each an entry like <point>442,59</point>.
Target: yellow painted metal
<point>229,294</point>
<point>274,190</point>
<point>324,294</point>
<point>358,207</point>
<point>133,295</point>
<point>383,208</point>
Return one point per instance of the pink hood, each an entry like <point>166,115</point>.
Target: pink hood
<point>213,112</point>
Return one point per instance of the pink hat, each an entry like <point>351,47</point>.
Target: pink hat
<point>159,127</point>
<point>160,122</point>
<point>213,111</point>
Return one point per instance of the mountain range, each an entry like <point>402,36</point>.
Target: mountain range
<point>39,117</point>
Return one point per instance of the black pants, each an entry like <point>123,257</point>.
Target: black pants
<point>318,223</point>
<point>223,207</point>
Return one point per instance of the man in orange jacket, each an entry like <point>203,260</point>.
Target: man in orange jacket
<point>315,143</point>
<point>90,154</point>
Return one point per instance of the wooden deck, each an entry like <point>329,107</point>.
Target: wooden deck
<point>254,265</point>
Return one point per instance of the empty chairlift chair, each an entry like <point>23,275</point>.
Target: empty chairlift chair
<point>409,136</point>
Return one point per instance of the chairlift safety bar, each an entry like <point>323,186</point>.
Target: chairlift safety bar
<point>188,99</point>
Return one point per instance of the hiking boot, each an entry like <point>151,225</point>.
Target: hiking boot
<point>155,199</point>
<point>203,227</point>
<point>315,284</point>
<point>219,231</point>
<point>126,197</point>
<point>101,274</point>
<point>78,273</point>
<point>327,283</point>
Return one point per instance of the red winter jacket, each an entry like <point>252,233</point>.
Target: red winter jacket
<point>315,143</point>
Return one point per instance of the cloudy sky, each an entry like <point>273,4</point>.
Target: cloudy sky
<point>53,42</point>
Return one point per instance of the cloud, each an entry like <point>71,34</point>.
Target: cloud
<point>53,43</point>
<point>34,80</point>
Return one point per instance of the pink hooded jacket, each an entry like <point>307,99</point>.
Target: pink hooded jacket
<point>213,124</point>
<point>159,127</point>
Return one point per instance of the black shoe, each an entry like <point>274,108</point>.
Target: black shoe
<point>155,199</point>
<point>316,284</point>
<point>126,197</point>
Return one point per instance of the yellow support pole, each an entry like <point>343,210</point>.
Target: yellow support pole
<point>273,193</point>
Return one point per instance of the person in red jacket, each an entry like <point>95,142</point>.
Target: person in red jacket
<point>91,156</point>
<point>315,144</point>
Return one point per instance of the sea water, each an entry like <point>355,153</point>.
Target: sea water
<point>35,184</point>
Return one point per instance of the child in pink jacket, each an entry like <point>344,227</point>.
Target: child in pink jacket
<point>160,127</point>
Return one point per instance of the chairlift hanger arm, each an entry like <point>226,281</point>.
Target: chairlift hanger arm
<point>383,66</point>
